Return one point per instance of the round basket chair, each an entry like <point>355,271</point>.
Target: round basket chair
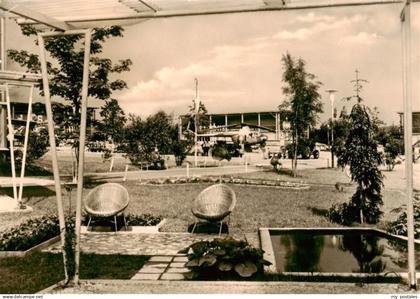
<point>107,200</point>
<point>214,204</point>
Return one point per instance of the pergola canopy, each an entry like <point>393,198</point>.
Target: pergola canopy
<point>79,14</point>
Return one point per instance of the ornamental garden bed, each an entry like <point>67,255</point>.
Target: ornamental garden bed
<point>144,224</point>
<point>228,180</point>
<point>39,233</point>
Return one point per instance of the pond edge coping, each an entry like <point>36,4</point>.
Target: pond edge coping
<point>267,247</point>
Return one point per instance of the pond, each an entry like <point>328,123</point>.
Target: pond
<point>338,251</point>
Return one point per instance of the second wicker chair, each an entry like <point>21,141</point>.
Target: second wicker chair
<point>214,204</point>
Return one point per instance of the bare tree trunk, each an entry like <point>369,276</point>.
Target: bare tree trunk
<point>294,163</point>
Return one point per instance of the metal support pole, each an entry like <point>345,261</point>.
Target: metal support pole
<point>51,134</point>
<point>332,98</point>
<point>25,144</point>
<point>11,137</point>
<point>82,139</point>
<point>3,125</point>
<point>408,61</point>
<point>259,122</point>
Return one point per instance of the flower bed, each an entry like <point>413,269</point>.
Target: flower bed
<point>228,180</point>
<point>146,223</point>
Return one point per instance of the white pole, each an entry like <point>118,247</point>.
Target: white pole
<point>332,98</point>
<point>82,138</point>
<point>53,150</point>
<point>25,144</point>
<point>408,129</point>
<point>125,172</point>
<point>11,137</point>
<point>188,170</point>
<point>196,124</point>
<point>3,117</point>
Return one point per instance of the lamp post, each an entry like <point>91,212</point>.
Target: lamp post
<point>331,93</point>
<point>196,110</point>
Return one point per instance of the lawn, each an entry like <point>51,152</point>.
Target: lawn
<point>256,206</point>
<point>33,273</point>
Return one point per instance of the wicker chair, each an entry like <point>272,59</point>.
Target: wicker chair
<point>214,204</point>
<point>107,200</point>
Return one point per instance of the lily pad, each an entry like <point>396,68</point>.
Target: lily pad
<point>246,269</point>
<point>224,266</point>
<point>208,259</point>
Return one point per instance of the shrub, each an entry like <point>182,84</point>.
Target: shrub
<point>30,233</point>
<point>224,259</point>
<point>361,154</point>
<point>399,226</point>
<point>143,220</point>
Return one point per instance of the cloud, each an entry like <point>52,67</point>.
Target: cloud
<point>245,74</point>
<point>362,38</point>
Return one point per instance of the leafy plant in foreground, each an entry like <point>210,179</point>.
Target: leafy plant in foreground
<point>224,259</point>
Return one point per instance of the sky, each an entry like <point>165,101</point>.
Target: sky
<point>237,59</point>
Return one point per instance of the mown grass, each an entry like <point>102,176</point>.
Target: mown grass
<point>33,273</point>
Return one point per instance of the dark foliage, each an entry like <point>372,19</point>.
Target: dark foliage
<point>224,259</point>
<point>361,154</point>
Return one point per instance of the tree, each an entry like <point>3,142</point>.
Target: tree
<point>303,103</point>
<point>202,117</point>
<point>66,74</point>
<point>113,120</point>
<point>361,155</point>
<point>142,137</point>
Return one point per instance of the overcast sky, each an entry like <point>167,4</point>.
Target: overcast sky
<point>237,59</point>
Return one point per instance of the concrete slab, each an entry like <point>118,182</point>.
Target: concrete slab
<point>147,269</point>
<point>225,287</point>
<point>172,276</point>
<point>10,205</point>
<point>160,259</point>
<point>178,265</point>
<point>177,270</point>
<point>145,276</point>
<point>181,259</point>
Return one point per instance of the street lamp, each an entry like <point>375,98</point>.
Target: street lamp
<point>196,110</point>
<point>332,92</point>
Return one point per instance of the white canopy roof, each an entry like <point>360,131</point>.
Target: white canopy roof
<point>71,14</point>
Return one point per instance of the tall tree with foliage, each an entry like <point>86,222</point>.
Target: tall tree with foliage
<point>67,70</point>
<point>303,101</point>
<point>360,153</point>
<point>113,120</point>
<point>143,136</point>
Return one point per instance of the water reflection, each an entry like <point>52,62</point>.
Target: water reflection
<point>366,250</point>
<point>299,258</point>
<point>315,252</point>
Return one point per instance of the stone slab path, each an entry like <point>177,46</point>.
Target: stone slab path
<point>152,244</point>
<point>163,268</point>
<point>157,244</point>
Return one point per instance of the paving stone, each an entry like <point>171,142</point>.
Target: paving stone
<point>156,265</point>
<point>177,270</point>
<point>160,259</point>
<point>181,259</point>
<point>172,276</point>
<point>145,276</point>
<point>146,269</point>
<point>161,244</point>
<point>177,265</point>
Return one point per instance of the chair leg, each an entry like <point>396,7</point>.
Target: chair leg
<point>125,223</point>
<point>115,223</point>
<point>195,225</point>
<point>220,229</point>
<point>90,219</point>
